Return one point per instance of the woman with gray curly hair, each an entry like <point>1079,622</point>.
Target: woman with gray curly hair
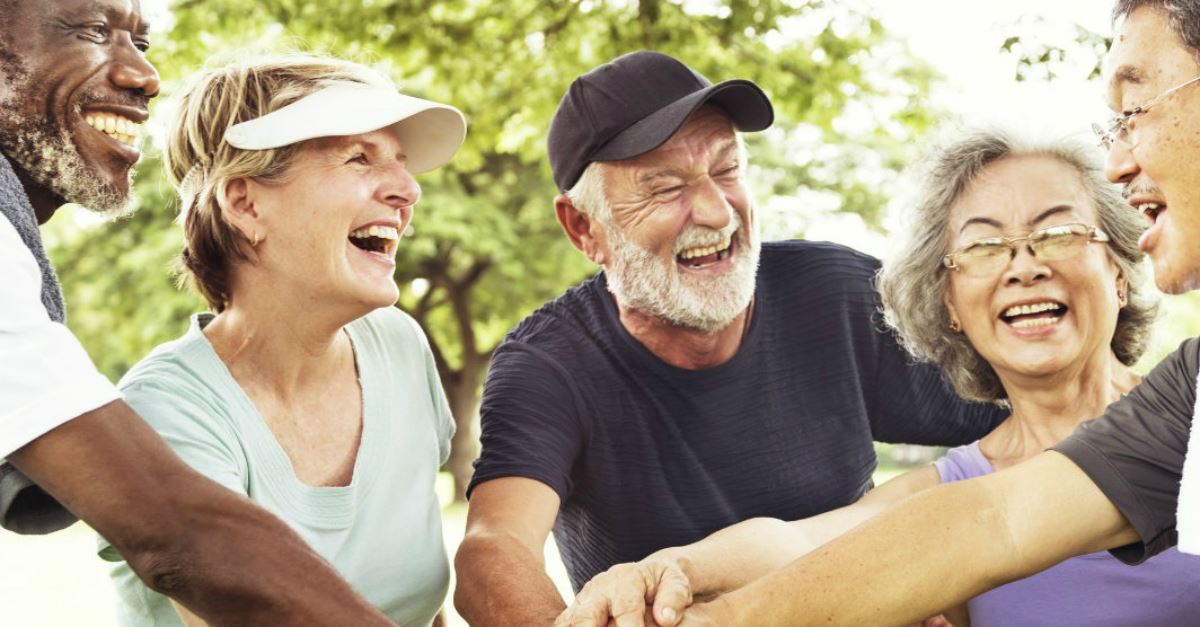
<point>1020,277</point>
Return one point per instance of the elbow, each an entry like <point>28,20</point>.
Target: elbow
<point>163,563</point>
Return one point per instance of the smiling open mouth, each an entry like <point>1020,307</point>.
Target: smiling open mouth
<point>1034,314</point>
<point>701,256</point>
<point>1151,210</point>
<point>375,239</point>
<point>115,126</point>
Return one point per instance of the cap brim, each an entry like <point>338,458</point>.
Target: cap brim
<point>429,132</point>
<point>741,100</point>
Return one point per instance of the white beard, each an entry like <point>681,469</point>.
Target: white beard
<point>47,154</point>
<point>639,279</point>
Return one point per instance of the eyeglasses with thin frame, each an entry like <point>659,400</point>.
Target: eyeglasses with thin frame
<point>1118,127</point>
<point>988,256</point>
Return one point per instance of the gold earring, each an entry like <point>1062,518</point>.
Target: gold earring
<point>955,326</point>
<point>254,243</point>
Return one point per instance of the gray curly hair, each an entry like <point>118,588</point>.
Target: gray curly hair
<point>914,281</point>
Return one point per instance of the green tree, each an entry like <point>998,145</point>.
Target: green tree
<point>487,249</point>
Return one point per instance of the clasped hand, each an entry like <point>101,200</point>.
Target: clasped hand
<point>654,591</point>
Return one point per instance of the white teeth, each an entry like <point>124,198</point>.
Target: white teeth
<point>1024,310</point>
<point>692,253</point>
<point>1034,322</point>
<point>119,128</point>
<point>382,232</point>
<point>1147,207</point>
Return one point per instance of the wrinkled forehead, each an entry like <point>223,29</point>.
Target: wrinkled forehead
<point>127,14</point>
<point>1147,57</point>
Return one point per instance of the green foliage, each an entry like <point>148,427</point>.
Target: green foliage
<point>487,246</point>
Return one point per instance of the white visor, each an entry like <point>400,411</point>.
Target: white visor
<point>429,132</point>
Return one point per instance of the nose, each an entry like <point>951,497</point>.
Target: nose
<point>710,207</point>
<point>1120,165</point>
<point>130,69</point>
<point>1026,269</point>
<point>399,189</point>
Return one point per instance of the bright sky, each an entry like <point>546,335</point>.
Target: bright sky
<point>962,40</point>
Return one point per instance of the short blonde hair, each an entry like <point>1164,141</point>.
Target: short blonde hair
<point>200,163</point>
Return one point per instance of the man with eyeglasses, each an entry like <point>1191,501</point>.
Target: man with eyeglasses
<point>1119,482</point>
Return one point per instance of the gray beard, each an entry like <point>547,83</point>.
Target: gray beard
<point>47,154</point>
<point>639,280</point>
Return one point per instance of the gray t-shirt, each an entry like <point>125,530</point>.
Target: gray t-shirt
<point>1134,452</point>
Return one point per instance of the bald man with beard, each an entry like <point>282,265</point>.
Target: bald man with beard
<point>74,90</point>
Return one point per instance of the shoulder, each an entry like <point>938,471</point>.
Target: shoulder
<point>391,325</point>
<point>816,268</point>
<point>575,318</point>
<point>963,462</point>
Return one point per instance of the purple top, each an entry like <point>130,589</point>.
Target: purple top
<point>1094,589</point>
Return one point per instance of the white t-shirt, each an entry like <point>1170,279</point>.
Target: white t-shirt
<point>46,378</point>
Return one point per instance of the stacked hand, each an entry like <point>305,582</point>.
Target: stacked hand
<point>652,592</point>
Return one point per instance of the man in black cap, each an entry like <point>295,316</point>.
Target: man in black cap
<point>702,378</point>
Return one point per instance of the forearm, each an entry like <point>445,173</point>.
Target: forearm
<point>502,583</point>
<point>223,557</point>
<point>928,553</point>
<point>738,554</point>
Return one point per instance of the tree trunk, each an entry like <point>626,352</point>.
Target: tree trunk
<point>463,395</point>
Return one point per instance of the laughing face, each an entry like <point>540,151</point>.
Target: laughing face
<point>74,88</point>
<point>1156,161</point>
<point>1033,317</point>
<point>330,228</point>
<point>680,241</point>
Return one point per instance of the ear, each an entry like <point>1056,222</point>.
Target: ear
<point>1122,290</point>
<point>584,233</point>
<point>955,322</point>
<point>238,209</point>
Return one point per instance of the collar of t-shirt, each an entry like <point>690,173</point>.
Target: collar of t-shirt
<point>14,205</point>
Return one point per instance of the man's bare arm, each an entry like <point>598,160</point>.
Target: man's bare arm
<point>934,550</point>
<point>501,566</point>
<point>214,551</point>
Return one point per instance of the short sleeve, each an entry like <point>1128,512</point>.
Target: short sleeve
<point>913,402</point>
<point>46,378</point>
<point>443,417</point>
<point>1134,453</point>
<point>203,440</point>
<point>530,420</point>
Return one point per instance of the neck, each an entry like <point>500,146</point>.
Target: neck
<point>686,348</point>
<point>279,342</point>
<point>1047,409</point>
<point>44,201</point>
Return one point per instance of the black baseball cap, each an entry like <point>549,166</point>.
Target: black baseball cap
<point>634,104</point>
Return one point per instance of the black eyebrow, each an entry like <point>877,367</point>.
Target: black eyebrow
<point>1052,211</point>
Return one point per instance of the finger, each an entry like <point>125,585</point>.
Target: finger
<point>672,596</point>
<point>589,613</point>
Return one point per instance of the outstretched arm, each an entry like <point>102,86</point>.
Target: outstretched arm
<point>669,579</point>
<point>501,565</point>
<point>215,552</point>
<point>934,550</point>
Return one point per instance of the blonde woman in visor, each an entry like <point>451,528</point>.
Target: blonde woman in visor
<point>305,389</point>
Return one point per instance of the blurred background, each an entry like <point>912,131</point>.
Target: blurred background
<point>860,87</point>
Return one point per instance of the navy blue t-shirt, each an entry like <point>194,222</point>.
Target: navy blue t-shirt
<point>645,455</point>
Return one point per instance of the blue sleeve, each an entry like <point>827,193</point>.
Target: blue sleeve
<point>908,402</point>
<point>202,440</point>
<point>530,420</point>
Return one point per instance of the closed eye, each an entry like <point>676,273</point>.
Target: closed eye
<point>358,158</point>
